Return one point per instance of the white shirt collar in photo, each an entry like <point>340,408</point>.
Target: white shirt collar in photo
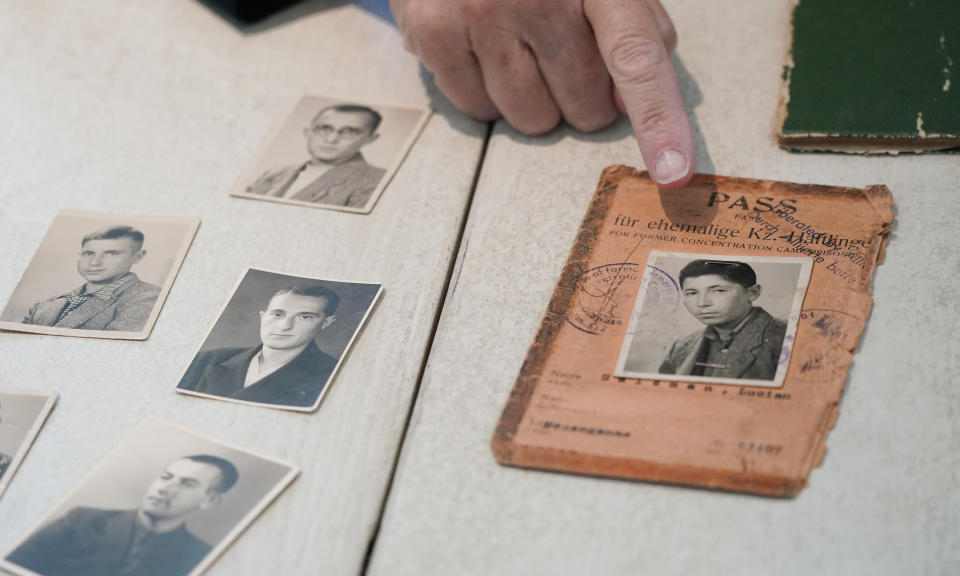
<point>255,374</point>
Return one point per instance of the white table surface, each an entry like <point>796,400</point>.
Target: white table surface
<point>885,500</point>
<point>155,107</point>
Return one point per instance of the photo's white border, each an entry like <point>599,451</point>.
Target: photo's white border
<point>333,374</point>
<point>158,305</point>
<point>803,283</point>
<point>216,551</point>
<point>31,436</point>
<point>425,114</point>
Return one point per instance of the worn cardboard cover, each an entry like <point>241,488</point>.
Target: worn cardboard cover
<point>569,412</point>
<point>864,76</point>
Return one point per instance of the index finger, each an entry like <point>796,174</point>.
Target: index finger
<point>638,61</point>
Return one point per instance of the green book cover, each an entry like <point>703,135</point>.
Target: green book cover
<point>872,76</point>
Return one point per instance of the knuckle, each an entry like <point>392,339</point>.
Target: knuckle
<point>537,125</point>
<point>432,45</point>
<point>636,58</point>
<point>670,39</point>
<point>541,9</point>
<point>653,117</point>
<point>588,103</point>
<point>479,10</point>
<point>594,121</point>
<point>481,112</point>
<point>428,45</point>
<point>425,25</point>
<point>474,103</point>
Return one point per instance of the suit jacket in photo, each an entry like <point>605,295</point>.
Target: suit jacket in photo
<point>348,184</point>
<point>127,310</point>
<point>753,354</point>
<point>95,542</point>
<point>221,372</point>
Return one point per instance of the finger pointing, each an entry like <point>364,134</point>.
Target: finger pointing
<point>638,61</point>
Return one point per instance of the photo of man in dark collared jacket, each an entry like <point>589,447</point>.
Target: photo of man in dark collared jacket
<point>286,368</point>
<point>740,340</point>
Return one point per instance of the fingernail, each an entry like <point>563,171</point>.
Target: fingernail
<point>671,166</point>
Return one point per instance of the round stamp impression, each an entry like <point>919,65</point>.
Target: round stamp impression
<point>660,288</point>
<point>831,327</point>
<point>599,303</point>
<point>656,302</point>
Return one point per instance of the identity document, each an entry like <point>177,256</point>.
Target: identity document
<point>699,336</point>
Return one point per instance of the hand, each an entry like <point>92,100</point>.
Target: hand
<point>537,61</point>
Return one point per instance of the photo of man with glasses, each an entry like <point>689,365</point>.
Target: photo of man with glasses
<point>336,174</point>
<point>113,297</point>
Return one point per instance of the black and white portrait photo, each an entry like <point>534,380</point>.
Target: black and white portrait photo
<point>22,414</point>
<point>333,154</point>
<point>279,340</point>
<point>717,319</point>
<point>100,275</point>
<point>164,502</point>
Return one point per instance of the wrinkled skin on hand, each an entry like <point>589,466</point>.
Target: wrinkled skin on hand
<point>537,62</point>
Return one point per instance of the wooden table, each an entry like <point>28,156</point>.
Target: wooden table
<point>155,107</point>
